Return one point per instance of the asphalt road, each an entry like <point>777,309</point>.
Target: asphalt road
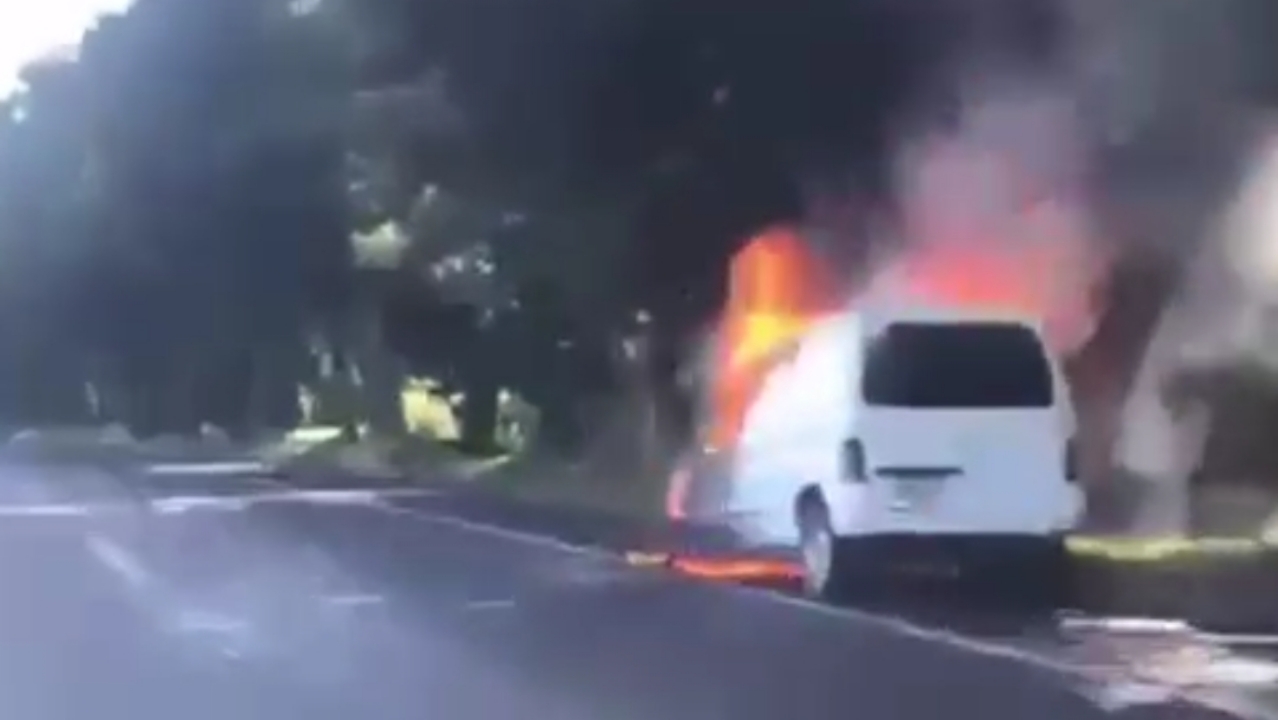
<point>193,595</point>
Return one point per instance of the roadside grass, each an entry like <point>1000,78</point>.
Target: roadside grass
<point>380,458</point>
<point>532,478</point>
<point>432,429</point>
<point>1158,550</point>
<point>1227,589</point>
<point>429,452</point>
<point>1225,584</point>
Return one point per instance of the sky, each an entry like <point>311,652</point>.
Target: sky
<point>29,30</point>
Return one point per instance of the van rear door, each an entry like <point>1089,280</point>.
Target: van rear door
<point>960,428</point>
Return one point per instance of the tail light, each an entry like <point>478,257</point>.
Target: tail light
<point>1071,460</point>
<point>853,461</point>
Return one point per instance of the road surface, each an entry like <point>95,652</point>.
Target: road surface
<point>136,595</point>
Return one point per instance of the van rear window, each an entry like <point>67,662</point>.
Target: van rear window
<point>957,365</point>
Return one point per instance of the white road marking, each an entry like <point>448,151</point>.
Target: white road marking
<point>180,504</point>
<point>46,510</point>
<point>233,638</point>
<point>119,561</point>
<point>204,621</point>
<point>490,605</point>
<point>1208,697</point>
<point>355,600</point>
<point>1114,698</point>
<point>183,504</point>
<point>517,536</point>
<point>1125,625</point>
<point>1241,640</point>
<point>124,564</point>
<point>1243,671</point>
<point>225,467</point>
<point>229,636</point>
<point>893,624</point>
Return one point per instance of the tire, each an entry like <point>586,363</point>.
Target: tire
<point>1045,574</point>
<point>1026,574</point>
<point>829,572</point>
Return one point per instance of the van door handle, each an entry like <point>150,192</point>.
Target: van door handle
<point>916,472</point>
<point>853,460</point>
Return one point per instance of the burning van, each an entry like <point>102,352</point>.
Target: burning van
<point>1168,357</point>
<point>907,435</point>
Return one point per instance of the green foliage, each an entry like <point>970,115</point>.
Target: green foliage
<point>172,213</point>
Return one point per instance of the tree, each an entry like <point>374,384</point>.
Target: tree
<point>175,208</point>
<point>45,214</point>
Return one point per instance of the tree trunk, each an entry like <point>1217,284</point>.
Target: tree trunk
<point>380,373</point>
<point>479,412</point>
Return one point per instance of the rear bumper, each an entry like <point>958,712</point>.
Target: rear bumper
<point>968,552</point>
<point>1052,509</point>
<point>959,542</point>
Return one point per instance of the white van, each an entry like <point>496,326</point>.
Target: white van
<point>901,437</point>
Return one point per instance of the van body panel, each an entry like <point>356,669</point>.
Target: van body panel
<point>793,431</point>
<point>959,471</point>
<point>969,455</point>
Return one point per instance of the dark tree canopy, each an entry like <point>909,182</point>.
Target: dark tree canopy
<point>178,204</point>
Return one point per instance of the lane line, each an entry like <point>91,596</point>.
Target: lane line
<point>477,605</point>
<point>180,504</point>
<point>354,600</point>
<point>48,510</point>
<point>119,561</point>
<point>515,536</point>
<point>893,624</point>
<point>219,467</point>
<point>1210,698</point>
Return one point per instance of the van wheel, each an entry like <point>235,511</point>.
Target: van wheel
<point>827,567</point>
<point>1045,576</point>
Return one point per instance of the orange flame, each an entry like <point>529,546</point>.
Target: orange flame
<point>988,228</point>
<point>776,288</point>
<point>1050,283</point>
<point>1020,248</point>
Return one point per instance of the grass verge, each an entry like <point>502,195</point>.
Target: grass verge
<point>1230,590</point>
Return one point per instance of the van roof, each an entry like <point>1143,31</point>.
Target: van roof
<point>883,312</point>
